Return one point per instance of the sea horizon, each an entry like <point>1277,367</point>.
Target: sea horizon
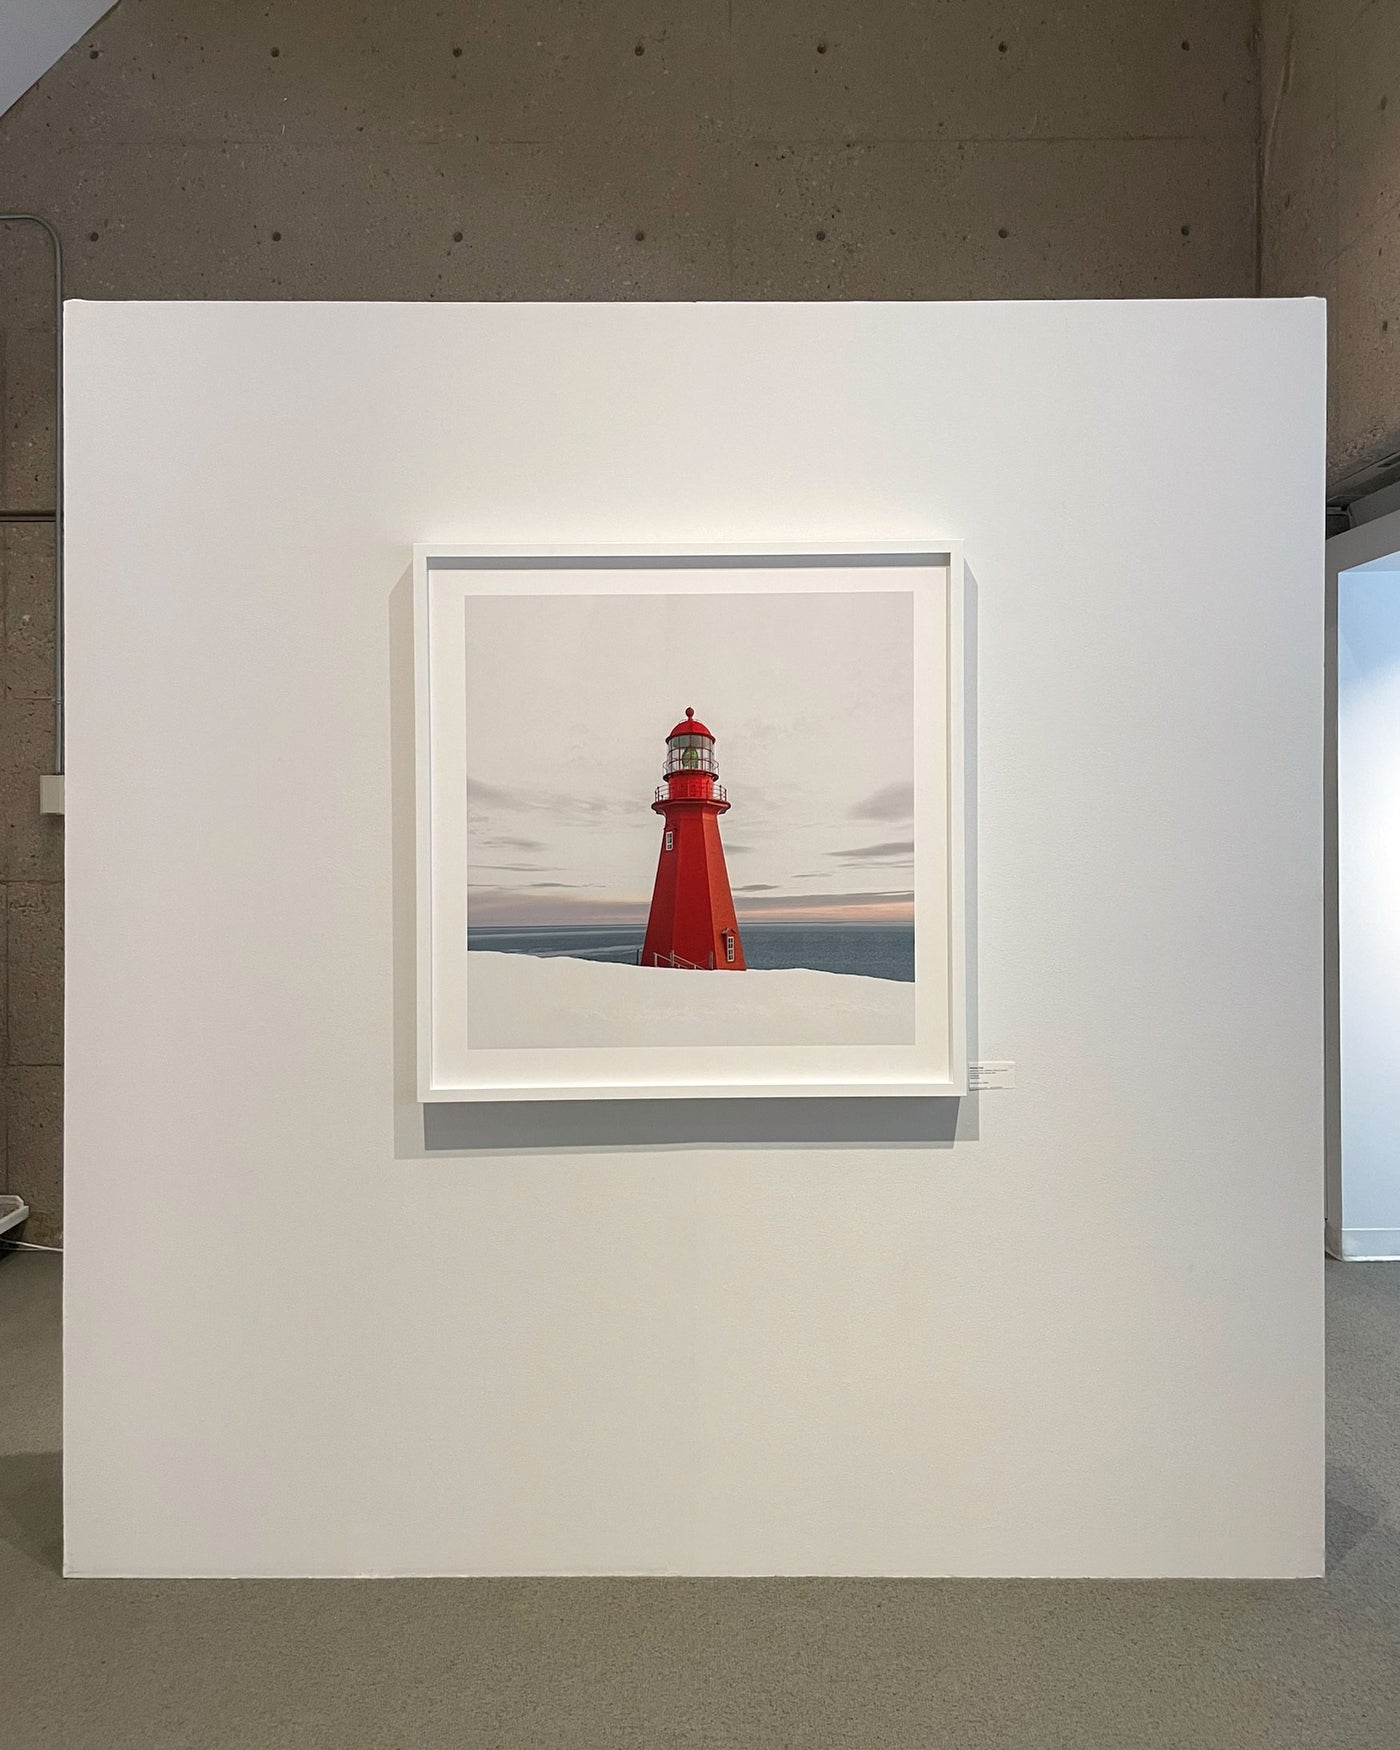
<point>863,949</point>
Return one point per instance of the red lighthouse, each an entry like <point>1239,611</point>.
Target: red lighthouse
<point>692,922</point>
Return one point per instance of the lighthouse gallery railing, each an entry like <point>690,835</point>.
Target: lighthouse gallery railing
<point>663,794</point>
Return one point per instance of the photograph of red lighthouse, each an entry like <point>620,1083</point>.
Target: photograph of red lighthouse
<point>692,924</point>
<point>690,819</point>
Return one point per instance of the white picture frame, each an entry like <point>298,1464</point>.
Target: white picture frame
<point>449,1069</point>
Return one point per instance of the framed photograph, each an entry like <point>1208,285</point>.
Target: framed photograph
<point>690,822</point>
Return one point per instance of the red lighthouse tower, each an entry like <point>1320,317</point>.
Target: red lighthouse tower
<point>692,922</point>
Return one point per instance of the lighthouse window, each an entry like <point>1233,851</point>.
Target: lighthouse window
<point>728,946</point>
<point>690,753</point>
<point>670,841</point>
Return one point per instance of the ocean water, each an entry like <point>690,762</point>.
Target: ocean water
<point>869,950</point>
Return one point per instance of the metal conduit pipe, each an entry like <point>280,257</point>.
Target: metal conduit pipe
<point>55,516</point>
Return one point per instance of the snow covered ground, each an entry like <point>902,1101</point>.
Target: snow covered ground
<point>520,1000</point>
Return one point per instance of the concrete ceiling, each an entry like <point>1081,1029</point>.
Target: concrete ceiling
<point>33,34</point>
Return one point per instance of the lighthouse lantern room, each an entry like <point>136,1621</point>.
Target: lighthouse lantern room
<point>692,923</point>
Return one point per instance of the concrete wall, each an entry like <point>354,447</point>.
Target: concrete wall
<point>692,149</point>
<point>1330,201</point>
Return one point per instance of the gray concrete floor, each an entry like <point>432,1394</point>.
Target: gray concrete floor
<point>651,1663</point>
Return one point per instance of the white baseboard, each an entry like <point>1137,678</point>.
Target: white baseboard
<point>1373,1243</point>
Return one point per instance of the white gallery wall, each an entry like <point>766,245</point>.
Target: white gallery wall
<point>1070,1327</point>
<point>1368,847</point>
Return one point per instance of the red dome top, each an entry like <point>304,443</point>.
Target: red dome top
<point>690,726</point>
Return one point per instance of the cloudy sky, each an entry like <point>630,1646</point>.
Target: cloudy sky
<point>569,699</point>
